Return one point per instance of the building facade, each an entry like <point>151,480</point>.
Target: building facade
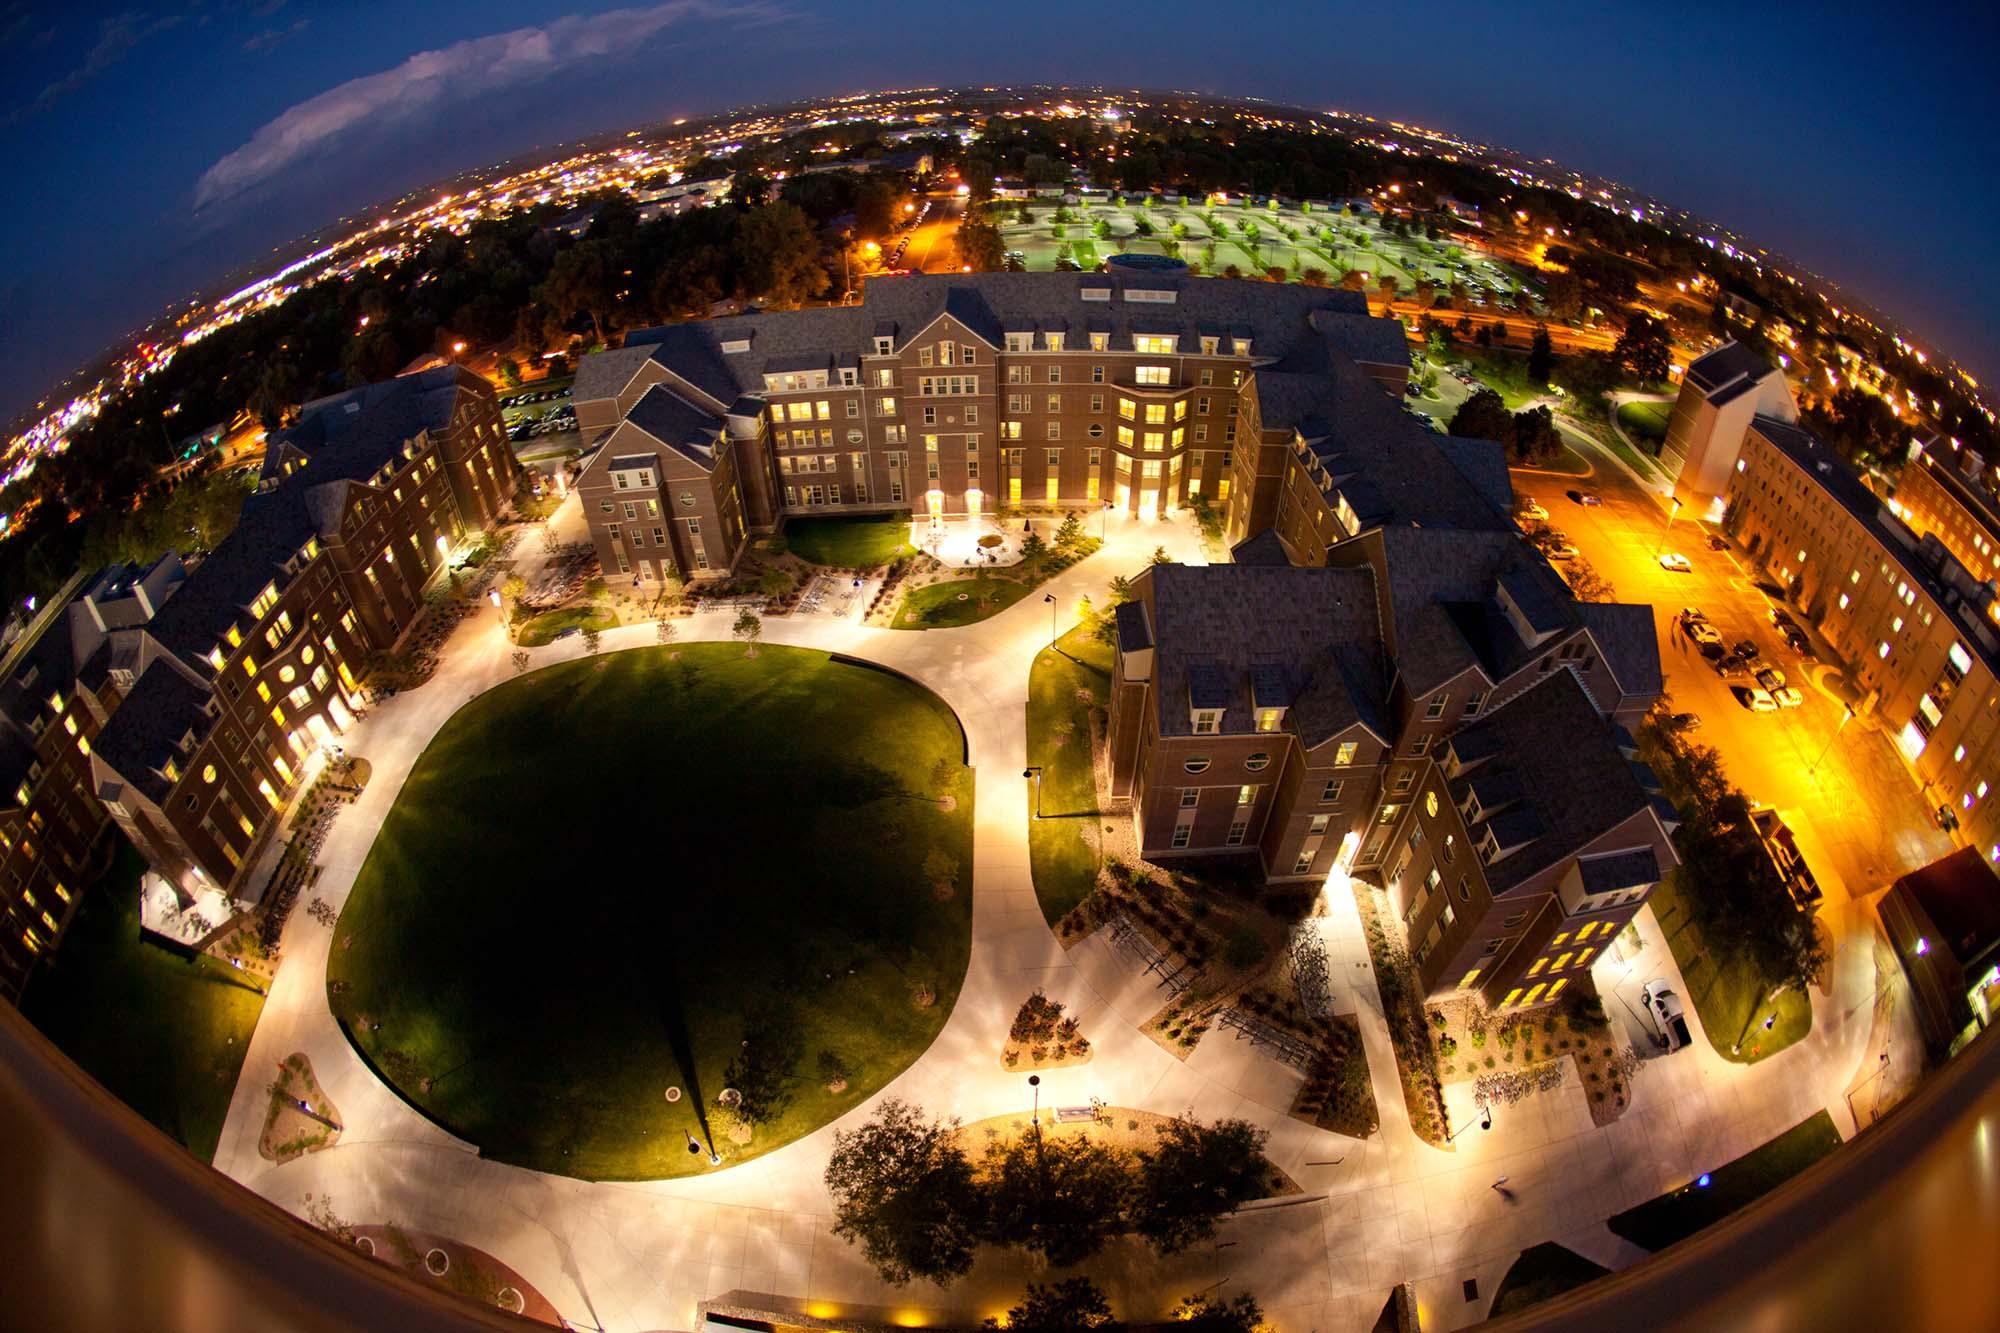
<point>254,666</point>
<point>1944,492</point>
<point>1917,631</point>
<point>1722,391</point>
<point>53,705</point>
<point>957,396</point>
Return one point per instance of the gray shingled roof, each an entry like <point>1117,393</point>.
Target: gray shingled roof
<point>147,728</point>
<point>677,424</point>
<point>1574,783</point>
<point>1308,632</point>
<point>1625,633</point>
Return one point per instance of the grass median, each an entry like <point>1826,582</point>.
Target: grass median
<point>1068,680</point>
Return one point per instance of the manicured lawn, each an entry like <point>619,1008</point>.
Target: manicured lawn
<point>1506,374</point>
<point>939,605</point>
<point>851,543</point>
<point>1645,421</point>
<point>1542,1271</point>
<point>536,631</point>
<point>1065,683</point>
<point>165,1035</point>
<point>1660,1222</point>
<point>1727,990</point>
<point>602,878</point>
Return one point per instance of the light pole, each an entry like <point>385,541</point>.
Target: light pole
<point>1846,716</point>
<point>1035,1117</point>
<point>499,615</point>
<point>1035,771</point>
<point>1054,634</point>
<point>1769,1019</point>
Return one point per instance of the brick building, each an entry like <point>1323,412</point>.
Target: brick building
<point>253,666</point>
<point>1323,716</point>
<point>53,705</point>
<point>963,395</point>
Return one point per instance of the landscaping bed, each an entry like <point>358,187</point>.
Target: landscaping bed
<point>863,541</point>
<point>1519,1052</point>
<point>1541,1272</point>
<point>1043,1037</point>
<point>1409,1025</point>
<point>1067,689</point>
<point>290,1130</point>
<point>1119,1128</point>
<point>936,596</point>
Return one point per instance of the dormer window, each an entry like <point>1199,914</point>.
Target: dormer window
<point>1210,344</point>
<point>885,347</point>
<point>847,375</point>
<point>1206,720</point>
<point>1240,346</point>
<point>1020,342</point>
<point>1100,342</point>
<point>1053,341</point>
<point>1489,846</point>
<point>1270,719</point>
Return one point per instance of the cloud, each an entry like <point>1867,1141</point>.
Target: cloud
<point>456,73</point>
<point>116,36</point>
<point>271,38</point>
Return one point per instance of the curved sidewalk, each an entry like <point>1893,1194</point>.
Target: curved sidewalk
<point>642,1255</point>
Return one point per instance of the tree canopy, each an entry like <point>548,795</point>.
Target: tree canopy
<point>903,1190</point>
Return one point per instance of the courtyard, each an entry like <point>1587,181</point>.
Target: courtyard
<point>666,815</point>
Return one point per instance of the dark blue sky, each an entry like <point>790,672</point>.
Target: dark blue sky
<point>157,147</point>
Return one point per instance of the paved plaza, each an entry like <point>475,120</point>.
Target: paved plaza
<point>1375,1212</point>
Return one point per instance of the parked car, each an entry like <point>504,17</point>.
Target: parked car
<point>1585,497</point>
<point>1532,508</point>
<point>1702,632</point>
<point>1675,563</point>
<point>1755,698</point>
<point>1781,617</point>
<point>1716,543</point>
<point>1798,641</point>
<point>1686,721</point>
<point>1563,551</point>
<point>1744,648</point>
<point>1788,696</point>
<point>1771,678</point>
<point>1669,1016</point>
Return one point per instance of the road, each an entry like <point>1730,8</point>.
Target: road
<point>932,247</point>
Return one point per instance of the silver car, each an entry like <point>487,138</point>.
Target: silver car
<point>1663,1006</point>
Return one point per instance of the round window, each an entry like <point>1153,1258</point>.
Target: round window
<point>208,773</point>
<point>687,499</point>
<point>307,655</point>
<point>1257,761</point>
<point>1431,804</point>
<point>286,674</point>
<point>1198,764</point>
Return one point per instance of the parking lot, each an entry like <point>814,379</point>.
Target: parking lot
<point>1860,818</point>
<point>537,411</point>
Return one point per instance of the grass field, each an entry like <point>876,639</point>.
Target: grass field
<point>163,1034</point>
<point>1214,238</point>
<point>763,855</point>
<point>1658,1223</point>
<point>1066,682</point>
<point>850,543</point>
<point>1726,989</point>
<point>1645,421</point>
<point>1542,1271</point>
<point>536,631</point>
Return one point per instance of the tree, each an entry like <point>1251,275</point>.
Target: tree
<point>903,1190</point>
<point>1069,532</point>
<point>1100,229</point>
<point>749,627</point>
<point>664,631</point>
<point>1483,416</point>
<point>1532,435</point>
<point>1541,356</point>
<point>581,282</point>
<point>1061,1198</point>
<point>1121,590</point>
<point>1564,294</point>
<point>778,255</point>
<point>1210,1314</point>
<point>592,637</point>
<point>512,588</point>
<point>1160,557</point>
<point>1642,348</point>
<point>980,246</point>
<point>520,662</point>
<point>1194,1175</point>
<point>1312,276</point>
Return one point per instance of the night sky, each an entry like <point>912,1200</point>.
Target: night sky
<point>157,148</point>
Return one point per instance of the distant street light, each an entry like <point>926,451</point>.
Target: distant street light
<point>1035,771</point>
<point>1672,514</point>
<point>1846,716</point>
<point>1054,633</point>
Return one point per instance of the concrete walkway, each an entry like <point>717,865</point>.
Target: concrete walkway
<point>640,1256</point>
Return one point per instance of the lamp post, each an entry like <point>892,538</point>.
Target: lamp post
<point>1846,716</point>
<point>499,615</point>
<point>1035,771</point>
<point>1035,1082</point>
<point>1054,633</point>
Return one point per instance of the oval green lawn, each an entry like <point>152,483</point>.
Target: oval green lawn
<point>601,878</point>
